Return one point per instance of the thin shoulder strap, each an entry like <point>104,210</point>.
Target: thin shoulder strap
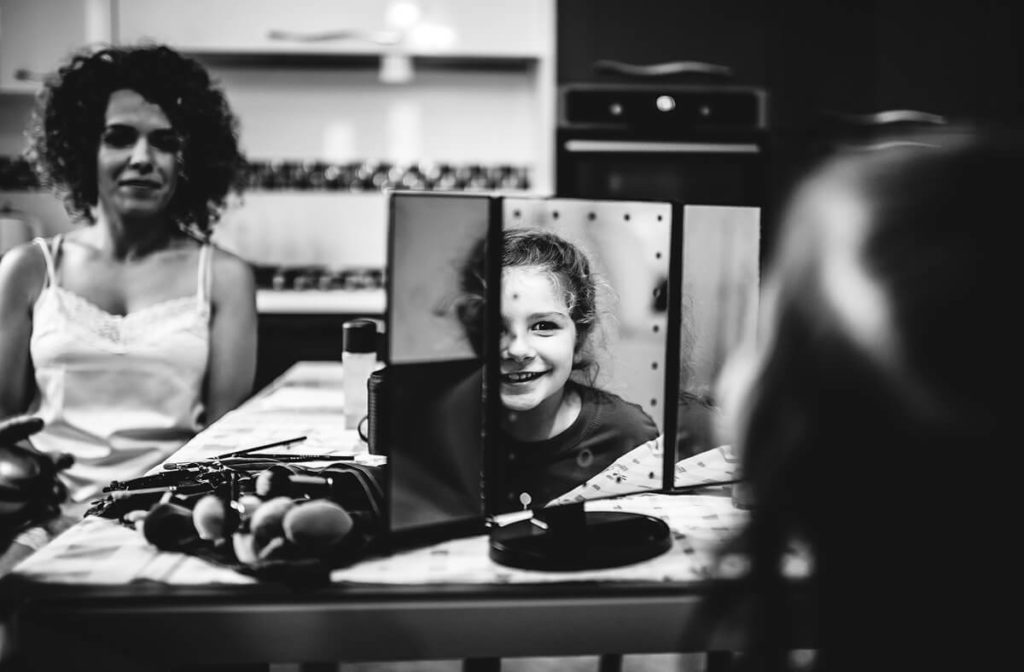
<point>48,256</point>
<point>205,279</point>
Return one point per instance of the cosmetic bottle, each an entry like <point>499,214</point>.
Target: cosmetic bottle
<point>358,360</point>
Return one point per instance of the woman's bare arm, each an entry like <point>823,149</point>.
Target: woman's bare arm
<point>232,366</point>
<point>22,272</point>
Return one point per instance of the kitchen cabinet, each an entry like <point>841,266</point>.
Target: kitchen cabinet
<point>283,340</point>
<point>724,32</point>
<point>965,59</point>
<point>448,28</point>
<point>809,55</point>
<point>292,228</point>
<point>828,66</point>
<point>37,35</point>
<point>820,57</point>
<point>959,61</point>
<point>297,74</point>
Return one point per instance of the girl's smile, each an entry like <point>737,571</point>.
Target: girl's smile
<point>538,342</point>
<point>521,376</point>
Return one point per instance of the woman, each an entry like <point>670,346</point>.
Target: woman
<point>131,332</point>
<point>868,415</point>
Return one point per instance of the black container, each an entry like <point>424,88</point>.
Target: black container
<point>376,424</point>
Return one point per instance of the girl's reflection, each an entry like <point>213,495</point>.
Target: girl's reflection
<point>557,430</point>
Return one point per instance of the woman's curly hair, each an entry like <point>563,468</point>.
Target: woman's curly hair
<point>70,116</point>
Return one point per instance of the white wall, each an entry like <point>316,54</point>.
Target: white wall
<point>347,115</point>
<point>342,115</point>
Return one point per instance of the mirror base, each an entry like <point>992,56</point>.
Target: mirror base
<point>581,540</point>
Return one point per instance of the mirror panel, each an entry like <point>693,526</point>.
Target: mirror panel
<point>720,265</point>
<point>431,236</point>
<point>628,246</point>
<point>432,398</point>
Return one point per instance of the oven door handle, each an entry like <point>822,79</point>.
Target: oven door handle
<point>580,146</point>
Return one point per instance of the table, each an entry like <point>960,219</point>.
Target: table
<point>114,602</point>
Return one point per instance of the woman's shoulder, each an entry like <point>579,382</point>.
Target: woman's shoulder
<point>27,254</point>
<point>234,281</point>
<point>23,270</point>
<point>229,267</point>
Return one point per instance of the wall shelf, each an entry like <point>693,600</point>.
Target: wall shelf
<point>364,61</point>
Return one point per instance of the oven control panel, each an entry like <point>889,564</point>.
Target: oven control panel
<point>725,107</point>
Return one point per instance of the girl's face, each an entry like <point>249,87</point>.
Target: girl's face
<point>137,159</point>
<point>538,340</point>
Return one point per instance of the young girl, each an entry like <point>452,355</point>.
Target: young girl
<point>557,430</point>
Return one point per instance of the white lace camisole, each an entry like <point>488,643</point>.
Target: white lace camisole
<point>118,392</point>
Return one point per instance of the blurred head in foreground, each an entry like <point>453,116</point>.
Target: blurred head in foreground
<point>871,415</point>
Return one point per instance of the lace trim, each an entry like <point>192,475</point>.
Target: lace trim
<point>172,314</point>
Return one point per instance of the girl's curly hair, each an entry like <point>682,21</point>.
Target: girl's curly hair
<point>567,266</point>
<point>70,115</point>
<point>565,263</point>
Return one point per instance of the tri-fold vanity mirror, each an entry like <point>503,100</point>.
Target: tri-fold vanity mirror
<point>542,352</point>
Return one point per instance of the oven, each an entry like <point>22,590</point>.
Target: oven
<point>694,144</point>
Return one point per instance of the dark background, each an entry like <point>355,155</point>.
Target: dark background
<point>962,59</point>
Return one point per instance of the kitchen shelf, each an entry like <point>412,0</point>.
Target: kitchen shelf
<point>369,60</point>
<point>449,28</point>
<point>321,302</point>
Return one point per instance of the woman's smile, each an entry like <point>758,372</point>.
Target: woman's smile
<point>139,184</point>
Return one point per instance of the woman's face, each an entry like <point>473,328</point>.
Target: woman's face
<point>538,339</point>
<point>137,159</point>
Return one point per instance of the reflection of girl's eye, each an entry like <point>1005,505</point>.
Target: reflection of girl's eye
<point>545,326</point>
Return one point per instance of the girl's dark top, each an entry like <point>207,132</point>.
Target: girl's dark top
<point>607,428</point>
